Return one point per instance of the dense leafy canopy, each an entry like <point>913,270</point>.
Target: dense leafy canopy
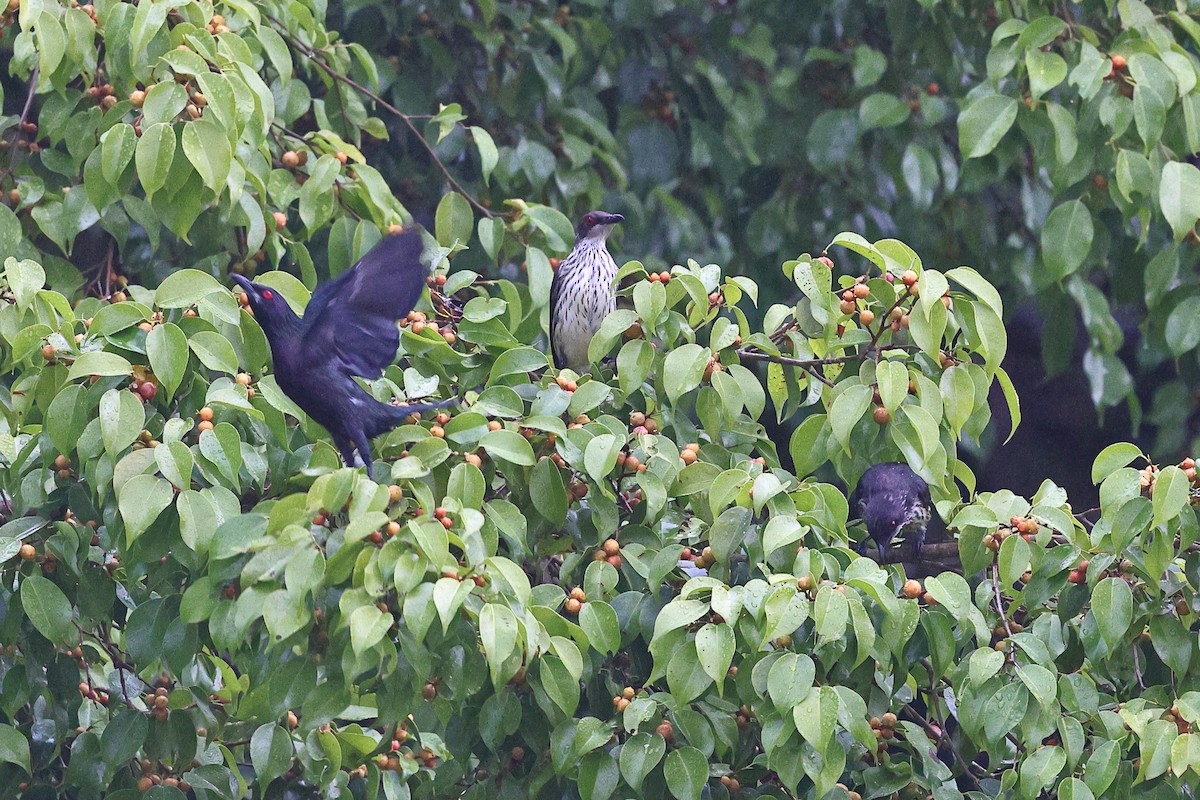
<point>200,600</point>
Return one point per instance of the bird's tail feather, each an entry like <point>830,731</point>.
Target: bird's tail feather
<point>388,416</point>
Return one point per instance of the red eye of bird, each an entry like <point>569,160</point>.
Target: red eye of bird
<point>591,219</point>
<point>267,294</point>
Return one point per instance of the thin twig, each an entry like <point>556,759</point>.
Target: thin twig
<point>802,363</point>
<point>942,736</point>
<point>12,156</point>
<point>315,57</point>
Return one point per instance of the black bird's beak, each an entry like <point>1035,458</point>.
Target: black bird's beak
<point>611,219</point>
<point>246,284</point>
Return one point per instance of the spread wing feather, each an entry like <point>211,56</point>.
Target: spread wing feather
<point>351,321</point>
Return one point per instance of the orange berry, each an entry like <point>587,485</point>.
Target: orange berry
<point>861,290</point>
<point>1119,62</point>
<point>881,415</point>
<point>866,316</point>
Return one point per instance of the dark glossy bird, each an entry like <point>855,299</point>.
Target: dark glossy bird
<point>892,499</point>
<point>582,293</point>
<point>348,329</point>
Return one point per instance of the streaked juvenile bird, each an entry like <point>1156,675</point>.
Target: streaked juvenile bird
<point>582,293</point>
<point>892,499</point>
<point>349,328</point>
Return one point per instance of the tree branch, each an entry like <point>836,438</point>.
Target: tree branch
<point>315,57</point>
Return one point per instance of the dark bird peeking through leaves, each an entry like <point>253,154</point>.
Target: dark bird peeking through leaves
<point>582,293</point>
<point>348,329</point>
<point>892,499</point>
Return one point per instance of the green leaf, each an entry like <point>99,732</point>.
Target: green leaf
<point>639,756</point>
<point>983,124</point>
<point>847,410</point>
<point>489,156</point>
<point>153,157</point>
<point>790,680</point>
<point>599,621</point>
<point>1041,769</point>
<point>184,288</point>
<point>1112,608</point>
<point>558,230</point>
<point>454,220</point>
<point>1113,458</point>
<point>167,349</point>
<point>686,771</point>
<point>1040,32</point>
<point>1101,767</point>
<point>121,420</point>
<point>97,362</point>
<point>508,445</point>
<point>498,632</point>
<point>48,609</point>
<point>1066,238</point>
<point>368,626</point>
<point>714,647</point>
<point>547,487</point>
<point>882,110</point>
<point>214,351</point>
<point>598,776</point>
<point>1170,495</point>
<point>25,278</point>
<point>1046,70</point>
<point>1182,332</point>
<point>116,151</point>
<point>206,145</point>
<point>124,736</point>
<point>141,500</point>
<point>683,369</point>
<point>164,101</point>
<point>1074,789</point>
<point>270,752</point>
<point>1179,196</point>
<point>67,417</point>
<point>14,747</point>
<point>892,379</point>
<point>1066,143</point>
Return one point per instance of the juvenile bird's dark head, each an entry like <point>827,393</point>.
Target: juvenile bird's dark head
<point>891,499</point>
<point>270,309</point>
<point>885,514</point>
<point>596,225</point>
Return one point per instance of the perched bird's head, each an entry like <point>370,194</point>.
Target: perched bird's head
<point>892,498</point>
<point>885,513</point>
<point>596,225</point>
<point>270,309</point>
